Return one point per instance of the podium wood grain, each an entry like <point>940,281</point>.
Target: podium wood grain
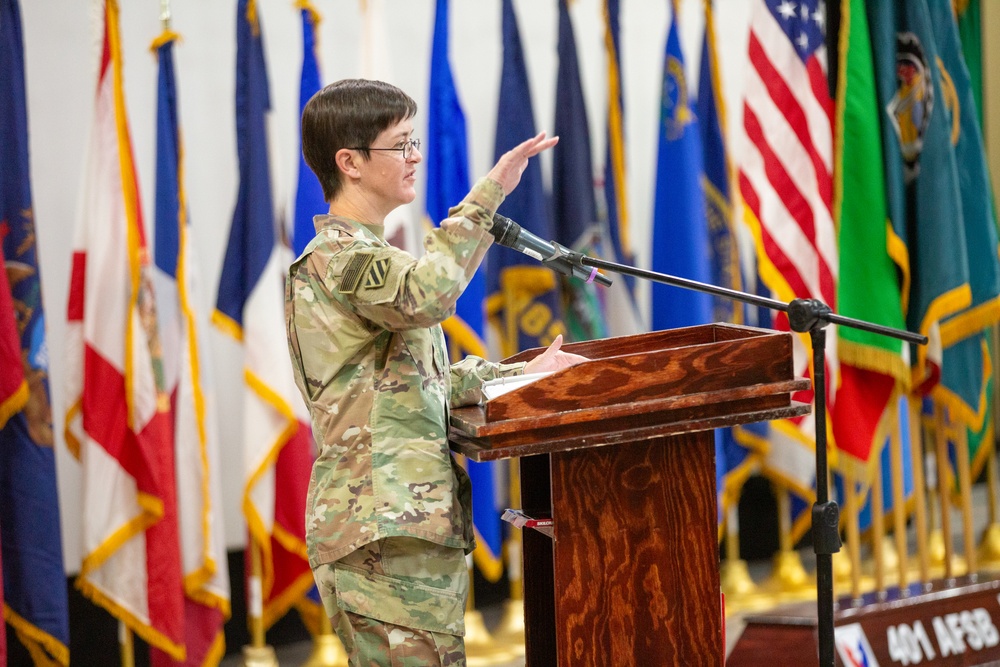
<point>619,451</point>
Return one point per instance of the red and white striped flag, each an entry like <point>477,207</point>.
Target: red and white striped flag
<point>786,181</point>
<point>117,423</point>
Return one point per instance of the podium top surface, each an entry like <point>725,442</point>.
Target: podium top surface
<point>637,387</point>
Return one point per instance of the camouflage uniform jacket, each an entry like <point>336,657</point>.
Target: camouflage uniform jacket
<point>363,322</point>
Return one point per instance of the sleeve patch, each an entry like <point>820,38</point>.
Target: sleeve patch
<point>354,271</point>
<point>377,273</point>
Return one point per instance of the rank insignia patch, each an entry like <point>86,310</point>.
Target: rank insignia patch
<point>377,273</point>
<point>353,273</point>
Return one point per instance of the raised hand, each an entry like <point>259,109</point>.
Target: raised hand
<point>507,171</point>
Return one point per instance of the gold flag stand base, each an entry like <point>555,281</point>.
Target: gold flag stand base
<point>259,656</point>
<point>936,551</point>
<point>989,548</point>
<point>789,581</point>
<point>735,580</point>
<point>510,630</point>
<point>327,652</point>
<point>742,594</point>
<point>481,650</point>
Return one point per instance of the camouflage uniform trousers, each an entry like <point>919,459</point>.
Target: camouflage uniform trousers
<point>398,602</point>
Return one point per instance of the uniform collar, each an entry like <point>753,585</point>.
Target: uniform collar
<point>348,227</point>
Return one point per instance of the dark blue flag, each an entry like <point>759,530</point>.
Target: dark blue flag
<point>523,302</point>
<point>447,184</point>
<point>34,580</point>
<point>252,234</point>
<point>574,210</point>
<point>309,199</point>
<point>278,447</point>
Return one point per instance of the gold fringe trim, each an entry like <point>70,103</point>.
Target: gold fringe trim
<point>164,37</point>
<point>14,403</point>
<point>45,650</point>
<point>227,325</point>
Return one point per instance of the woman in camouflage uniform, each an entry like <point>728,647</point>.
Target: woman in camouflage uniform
<point>388,519</point>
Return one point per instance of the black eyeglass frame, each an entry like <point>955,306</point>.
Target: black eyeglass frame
<point>407,148</point>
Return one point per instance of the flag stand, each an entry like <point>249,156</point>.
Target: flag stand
<point>327,650</point>
<point>804,316</point>
<point>126,645</point>
<point>257,653</point>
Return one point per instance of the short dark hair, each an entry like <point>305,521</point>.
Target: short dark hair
<point>347,114</point>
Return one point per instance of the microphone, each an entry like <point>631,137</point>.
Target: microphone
<point>510,234</point>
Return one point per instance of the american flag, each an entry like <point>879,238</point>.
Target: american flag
<point>786,181</point>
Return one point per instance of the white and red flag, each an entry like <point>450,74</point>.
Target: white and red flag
<point>196,442</point>
<point>117,422</point>
<point>277,441</point>
<point>786,182</point>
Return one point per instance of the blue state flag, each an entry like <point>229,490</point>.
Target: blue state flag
<point>574,209</point>
<point>309,199</point>
<point>447,183</point>
<point>252,233</point>
<point>523,301</point>
<point>680,232</point>
<point>34,580</point>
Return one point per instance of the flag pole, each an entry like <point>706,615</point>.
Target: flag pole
<point>898,504</point>
<point>989,545</point>
<point>943,488</point>
<point>257,653</point>
<point>126,645</point>
<point>511,627</point>
<point>853,535</point>
<point>965,496</point>
<point>919,489</point>
<point>877,534</point>
<point>327,651</point>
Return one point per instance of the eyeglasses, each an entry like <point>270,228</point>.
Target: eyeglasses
<point>406,148</point>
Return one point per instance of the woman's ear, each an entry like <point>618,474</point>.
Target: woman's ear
<point>348,163</point>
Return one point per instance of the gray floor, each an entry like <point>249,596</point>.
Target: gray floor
<point>503,656</point>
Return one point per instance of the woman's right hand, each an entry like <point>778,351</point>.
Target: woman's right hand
<point>507,171</point>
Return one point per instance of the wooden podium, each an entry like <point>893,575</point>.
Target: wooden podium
<point>619,452</point>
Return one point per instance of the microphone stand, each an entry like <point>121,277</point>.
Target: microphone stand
<point>804,315</point>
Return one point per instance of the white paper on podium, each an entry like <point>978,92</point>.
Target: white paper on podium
<point>500,386</point>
